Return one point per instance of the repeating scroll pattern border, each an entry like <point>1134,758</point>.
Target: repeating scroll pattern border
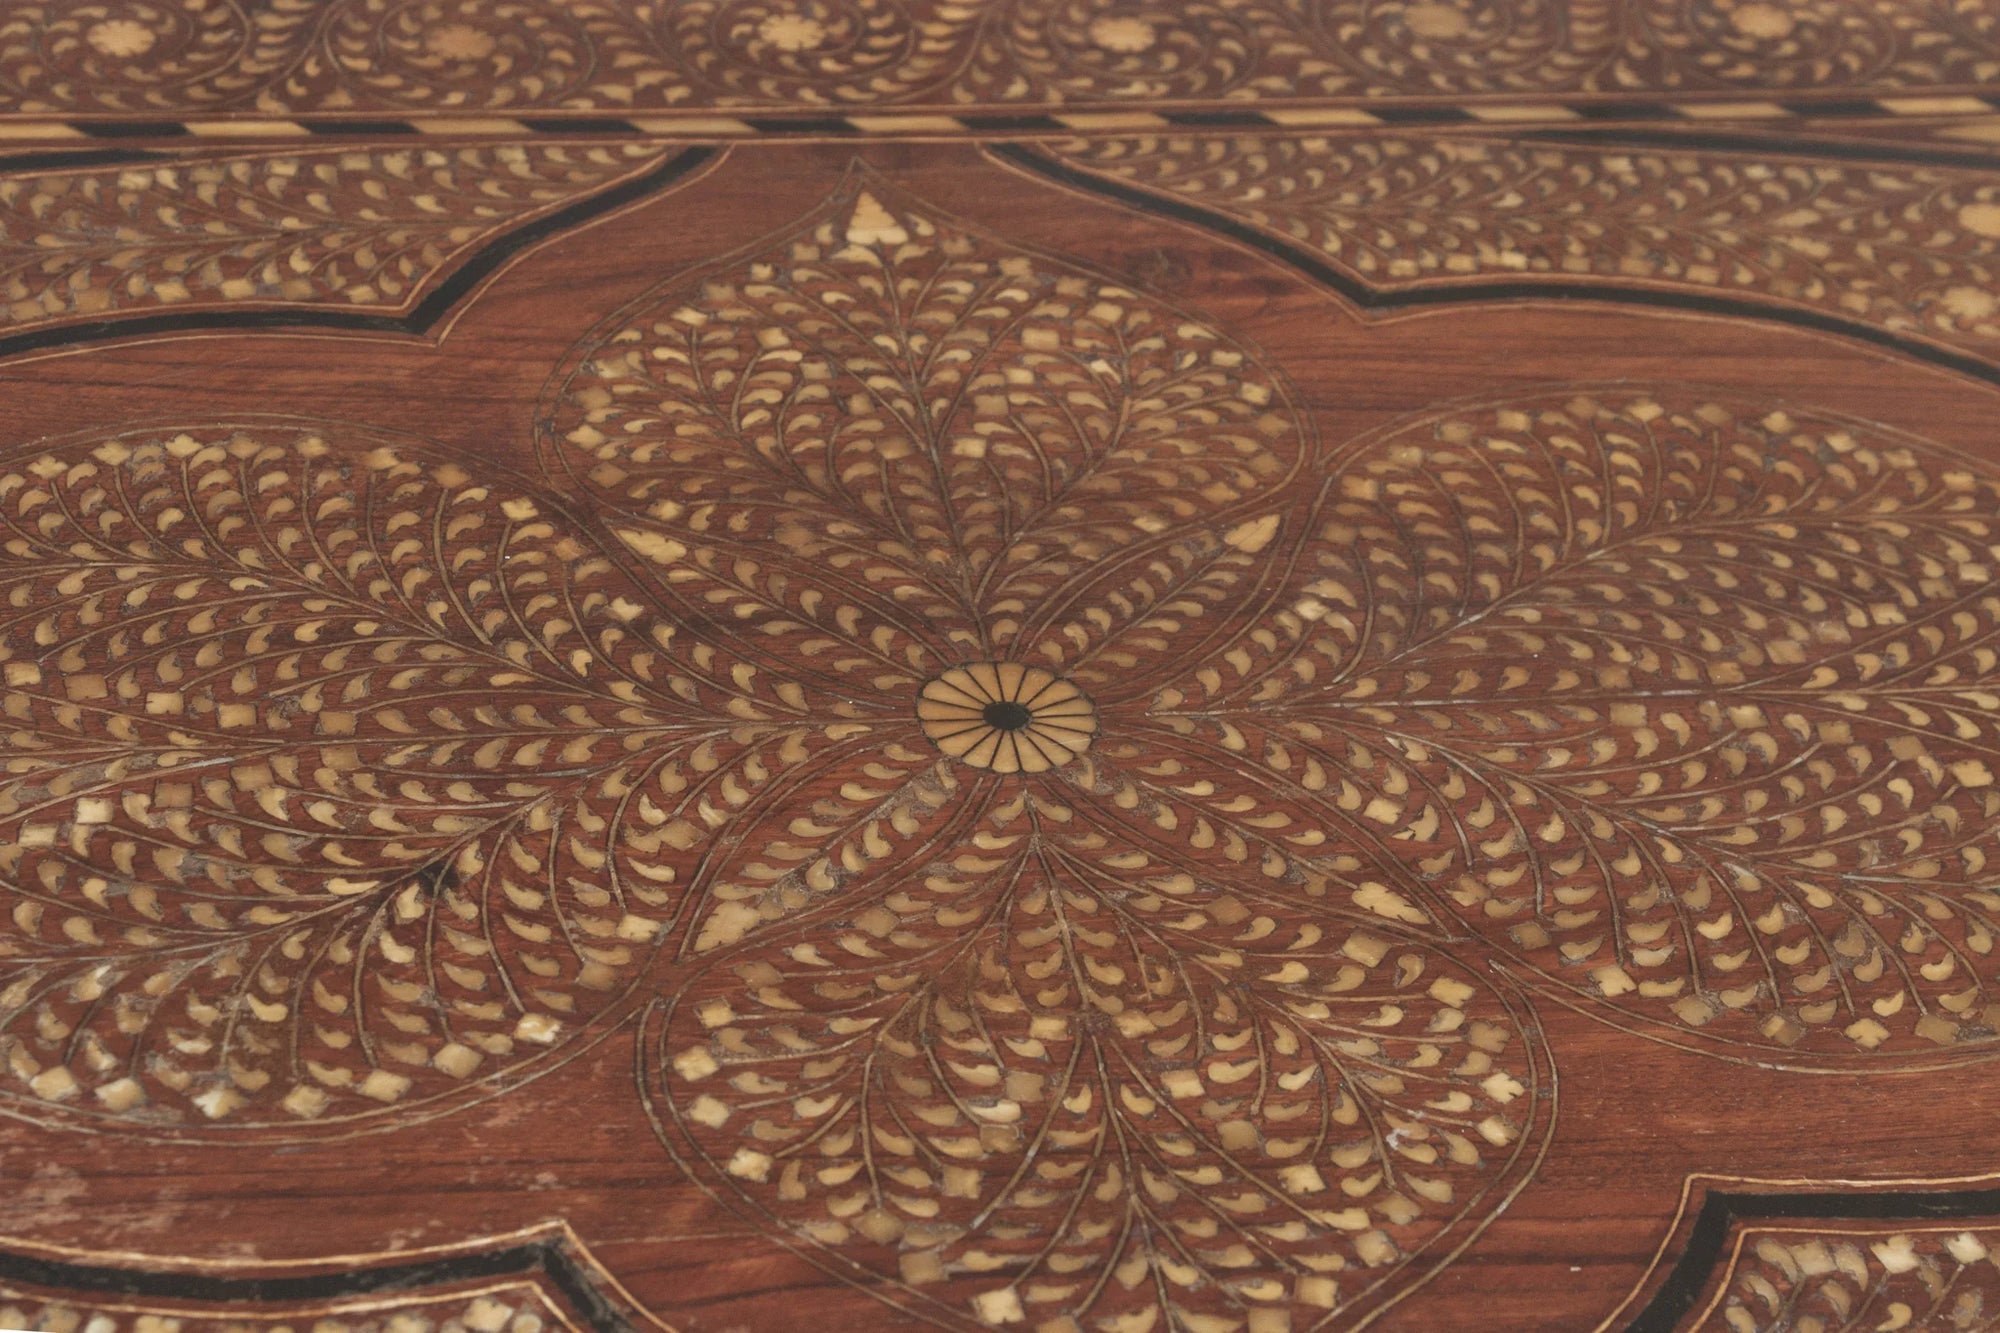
<point>288,56</point>
<point>1826,1250</point>
<point>544,1273</point>
<point>348,239</point>
<point>1406,220</point>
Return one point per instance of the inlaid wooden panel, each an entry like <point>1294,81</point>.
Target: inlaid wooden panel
<point>331,56</point>
<point>1092,668</point>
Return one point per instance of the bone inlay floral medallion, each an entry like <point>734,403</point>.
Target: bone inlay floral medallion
<point>1007,717</point>
<point>1086,668</point>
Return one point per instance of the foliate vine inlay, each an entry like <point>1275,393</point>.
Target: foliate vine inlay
<point>292,56</point>
<point>368,229</point>
<point>343,776</point>
<point>320,774</point>
<point>515,1307</point>
<point>1853,1276</point>
<point>1678,698</point>
<point>1910,250</point>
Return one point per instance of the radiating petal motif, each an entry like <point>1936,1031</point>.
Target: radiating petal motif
<point>1007,717</point>
<point>1691,701</point>
<point>939,428</point>
<point>334,781</point>
<point>1049,1077</point>
<point>1671,705</point>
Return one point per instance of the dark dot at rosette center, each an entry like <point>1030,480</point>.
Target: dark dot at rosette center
<point>1007,715</point>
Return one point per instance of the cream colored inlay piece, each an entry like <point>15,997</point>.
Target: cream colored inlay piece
<point>1007,717</point>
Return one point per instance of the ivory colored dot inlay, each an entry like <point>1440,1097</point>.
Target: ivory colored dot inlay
<point>120,38</point>
<point>1123,33</point>
<point>1762,20</point>
<point>1982,217</point>
<point>792,32</point>
<point>460,41</point>
<point>1007,717</point>
<point>1436,20</point>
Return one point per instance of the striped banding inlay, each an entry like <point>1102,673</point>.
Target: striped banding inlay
<point>926,124</point>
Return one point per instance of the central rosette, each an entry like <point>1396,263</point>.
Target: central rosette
<point>1007,717</point>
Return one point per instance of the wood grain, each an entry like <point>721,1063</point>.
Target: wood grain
<point>1130,723</point>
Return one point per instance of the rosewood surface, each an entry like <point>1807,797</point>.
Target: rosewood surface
<point>1086,667</point>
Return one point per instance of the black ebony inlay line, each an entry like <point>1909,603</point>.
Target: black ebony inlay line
<point>800,125</point>
<point>1214,119</point>
<point>1730,141</point>
<point>1010,124</point>
<point>547,1257</point>
<point>1625,111</point>
<point>133,129</point>
<point>1608,290</point>
<point>1695,1267</point>
<point>427,312</point>
<point>581,125</point>
<point>1419,115</point>
<point>1851,108</point>
<point>1393,113</point>
<point>68,159</point>
<point>369,127</point>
